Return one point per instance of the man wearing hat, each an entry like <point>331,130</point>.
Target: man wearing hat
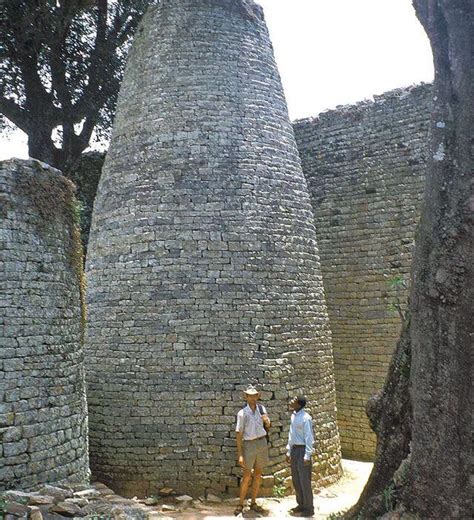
<point>299,451</point>
<point>252,448</point>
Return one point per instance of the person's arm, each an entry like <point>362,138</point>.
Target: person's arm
<point>240,456</point>
<point>288,446</point>
<point>239,439</point>
<point>288,451</point>
<point>265,418</point>
<point>308,439</point>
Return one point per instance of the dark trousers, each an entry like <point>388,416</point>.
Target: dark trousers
<point>301,477</point>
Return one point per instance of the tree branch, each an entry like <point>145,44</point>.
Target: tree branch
<point>99,55</point>
<point>17,115</point>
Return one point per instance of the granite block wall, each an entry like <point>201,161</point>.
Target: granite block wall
<point>365,167</point>
<point>43,414</point>
<point>202,265</point>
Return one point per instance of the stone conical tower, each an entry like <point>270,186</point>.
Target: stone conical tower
<point>203,269</point>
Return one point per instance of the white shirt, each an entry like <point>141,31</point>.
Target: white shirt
<point>301,433</point>
<point>251,423</point>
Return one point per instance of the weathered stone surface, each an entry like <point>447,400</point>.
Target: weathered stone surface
<point>39,500</point>
<point>101,505</point>
<point>17,496</point>
<point>213,498</point>
<point>43,424</point>
<point>166,491</point>
<point>184,498</point>
<point>15,508</point>
<point>365,166</point>
<point>35,513</point>
<point>58,493</point>
<point>203,267</point>
<point>66,509</point>
<point>87,493</point>
<point>81,502</point>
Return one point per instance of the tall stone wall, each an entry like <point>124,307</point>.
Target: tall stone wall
<point>365,167</point>
<point>202,265</point>
<point>43,415</point>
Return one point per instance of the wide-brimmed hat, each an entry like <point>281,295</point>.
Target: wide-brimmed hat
<point>251,390</point>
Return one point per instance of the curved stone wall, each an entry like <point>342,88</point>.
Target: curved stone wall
<point>43,415</point>
<point>365,167</point>
<point>202,264</point>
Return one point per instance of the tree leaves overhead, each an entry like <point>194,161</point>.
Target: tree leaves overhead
<point>61,64</point>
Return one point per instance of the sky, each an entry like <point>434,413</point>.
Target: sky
<point>332,52</point>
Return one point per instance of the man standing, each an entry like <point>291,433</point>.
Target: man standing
<point>299,451</point>
<point>252,449</point>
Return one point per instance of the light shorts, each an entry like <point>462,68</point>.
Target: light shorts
<point>255,453</point>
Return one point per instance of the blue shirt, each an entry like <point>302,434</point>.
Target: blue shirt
<point>301,432</point>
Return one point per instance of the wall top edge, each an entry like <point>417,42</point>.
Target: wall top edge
<point>347,111</point>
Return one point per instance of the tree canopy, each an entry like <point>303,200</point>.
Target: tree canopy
<point>61,64</point>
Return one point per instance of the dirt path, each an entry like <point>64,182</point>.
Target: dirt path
<point>333,499</point>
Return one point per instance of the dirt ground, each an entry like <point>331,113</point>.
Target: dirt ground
<point>333,499</point>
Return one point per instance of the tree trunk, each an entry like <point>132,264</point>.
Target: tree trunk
<point>443,278</point>
<point>436,480</point>
<point>389,414</point>
<point>41,147</point>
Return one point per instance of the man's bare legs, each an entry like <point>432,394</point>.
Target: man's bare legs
<point>257,479</point>
<point>244,485</point>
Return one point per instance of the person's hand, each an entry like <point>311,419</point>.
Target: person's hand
<point>307,462</point>
<point>266,421</point>
<point>241,461</point>
<point>288,459</point>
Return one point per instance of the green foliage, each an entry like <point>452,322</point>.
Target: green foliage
<point>336,516</point>
<point>341,515</point>
<point>77,210</point>
<point>404,364</point>
<point>279,489</point>
<point>398,285</point>
<point>77,258</point>
<point>389,496</point>
<point>404,471</point>
<point>397,282</point>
